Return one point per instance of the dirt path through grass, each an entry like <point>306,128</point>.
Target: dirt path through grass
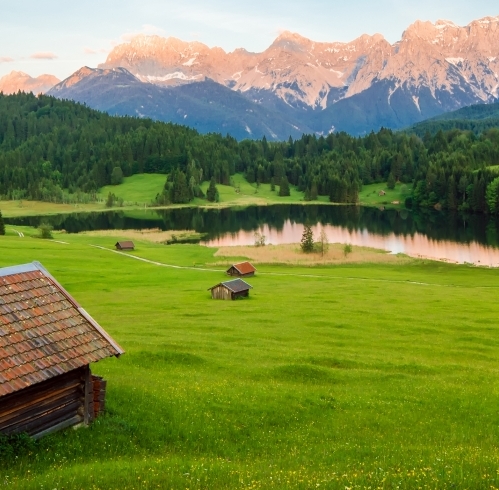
<point>316,276</point>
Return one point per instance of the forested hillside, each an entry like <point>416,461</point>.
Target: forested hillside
<point>476,118</point>
<point>62,151</point>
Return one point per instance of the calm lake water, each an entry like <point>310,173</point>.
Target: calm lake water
<point>437,235</point>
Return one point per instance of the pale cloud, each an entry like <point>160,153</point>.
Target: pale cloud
<point>6,59</point>
<point>146,30</point>
<point>43,56</point>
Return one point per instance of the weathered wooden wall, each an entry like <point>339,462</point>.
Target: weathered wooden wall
<point>52,405</point>
<point>234,272</point>
<point>99,395</point>
<point>221,292</point>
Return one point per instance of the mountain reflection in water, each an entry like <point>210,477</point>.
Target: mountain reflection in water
<point>422,233</point>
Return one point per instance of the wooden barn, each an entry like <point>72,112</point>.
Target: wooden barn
<point>126,245</point>
<point>234,289</point>
<point>243,269</point>
<point>47,342</point>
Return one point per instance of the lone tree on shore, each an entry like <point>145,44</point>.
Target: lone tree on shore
<point>323,243</point>
<point>2,225</point>
<point>307,239</point>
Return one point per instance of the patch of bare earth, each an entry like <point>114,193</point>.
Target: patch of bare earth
<point>292,254</point>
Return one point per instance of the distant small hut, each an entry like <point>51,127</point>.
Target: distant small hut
<point>47,343</point>
<point>126,245</point>
<point>381,193</point>
<point>231,290</point>
<point>243,269</point>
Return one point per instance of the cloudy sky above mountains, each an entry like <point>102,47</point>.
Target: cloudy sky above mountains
<point>58,37</point>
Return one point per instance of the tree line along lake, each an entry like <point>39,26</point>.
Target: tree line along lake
<point>454,237</point>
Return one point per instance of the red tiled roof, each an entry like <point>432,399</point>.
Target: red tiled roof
<point>43,330</point>
<point>244,268</point>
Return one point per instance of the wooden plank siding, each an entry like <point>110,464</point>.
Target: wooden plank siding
<point>48,406</point>
<point>221,292</point>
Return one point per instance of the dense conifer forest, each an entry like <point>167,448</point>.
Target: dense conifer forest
<point>61,151</point>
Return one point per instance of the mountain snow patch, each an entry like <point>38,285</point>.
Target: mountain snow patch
<point>176,75</point>
<point>454,61</point>
<point>416,102</point>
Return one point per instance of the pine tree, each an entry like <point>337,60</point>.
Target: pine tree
<point>391,181</point>
<point>284,187</point>
<point>307,239</point>
<point>180,190</point>
<point>2,225</point>
<point>116,176</point>
<point>313,191</point>
<point>212,192</point>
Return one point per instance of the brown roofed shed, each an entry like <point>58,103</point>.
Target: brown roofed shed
<point>234,289</point>
<point>125,245</point>
<point>47,342</point>
<point>243,269</point>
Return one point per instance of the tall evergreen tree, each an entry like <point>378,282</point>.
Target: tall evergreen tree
<point>307,239</point>
<point>2,225</point>
<point>284,187</point>
<point>212,192</point>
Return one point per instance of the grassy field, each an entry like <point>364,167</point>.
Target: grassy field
<point>352,376</point>
<point>369,195</point>
<point>140,190</point>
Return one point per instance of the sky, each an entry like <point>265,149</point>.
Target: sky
<point>59,37</point>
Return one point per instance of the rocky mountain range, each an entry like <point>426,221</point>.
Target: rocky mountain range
<point>17,80</point>
<point>298,85</point>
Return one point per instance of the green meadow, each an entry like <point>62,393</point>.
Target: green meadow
<point>140,190</point>
<point>357,376</point>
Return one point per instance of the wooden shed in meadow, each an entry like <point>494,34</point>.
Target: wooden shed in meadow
<point>125,245</point>
<point>47,342</point>
<point>234,289</point>
<point>243,269</point>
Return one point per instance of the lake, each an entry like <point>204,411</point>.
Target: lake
<point>452,237</point>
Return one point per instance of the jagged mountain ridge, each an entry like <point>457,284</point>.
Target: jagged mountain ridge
<point>442,57</point>
<point>298,84</point>
<point>18,80</point>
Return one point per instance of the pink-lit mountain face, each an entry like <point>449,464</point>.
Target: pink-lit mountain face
<point>297,85</point>
<point>441,57</point>
<point>17,80</point>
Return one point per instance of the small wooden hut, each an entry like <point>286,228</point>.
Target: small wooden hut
<point>47,342</point>
<point>243,269</point>
<point>230,290</point>
<point>126,245</point>
<point>381,193</point>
